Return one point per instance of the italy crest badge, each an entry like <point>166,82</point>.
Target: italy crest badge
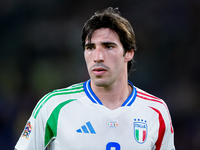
<point>140,130</point>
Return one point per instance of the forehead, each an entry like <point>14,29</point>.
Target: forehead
<point>104,34</point>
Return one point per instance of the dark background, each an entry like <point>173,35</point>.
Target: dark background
<point>40,50</point>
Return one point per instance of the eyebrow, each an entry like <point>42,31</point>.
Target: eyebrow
<point>102,43</point>
<point>108,43</point>
<point>89,44</point>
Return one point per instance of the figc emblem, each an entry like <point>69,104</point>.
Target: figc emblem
<point>140,130</point>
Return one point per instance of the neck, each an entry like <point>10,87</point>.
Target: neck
<point>114,95</point>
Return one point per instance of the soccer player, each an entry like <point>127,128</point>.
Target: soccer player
<point>106,112</point>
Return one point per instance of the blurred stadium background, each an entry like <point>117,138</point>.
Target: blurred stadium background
<point>40,50</point>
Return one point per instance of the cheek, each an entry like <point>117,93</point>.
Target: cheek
<point>87,59</point>
<point>116,63</point>
<point>120,64</point>
<point>86,56</point>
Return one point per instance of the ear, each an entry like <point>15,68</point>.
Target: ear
<point>129,55</point>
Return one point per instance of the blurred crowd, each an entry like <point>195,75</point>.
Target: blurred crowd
<point>40,50</point>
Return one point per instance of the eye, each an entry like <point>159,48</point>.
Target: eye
<point>109,47</point>
<point>89,47</point>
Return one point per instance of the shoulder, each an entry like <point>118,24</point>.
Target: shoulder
<point>151,101</point>
<point>156,104</point>
<point>57,97</point>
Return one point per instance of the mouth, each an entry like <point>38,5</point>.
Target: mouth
<point>99,71</point>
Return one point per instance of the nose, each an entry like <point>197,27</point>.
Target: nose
<point>98,55</point>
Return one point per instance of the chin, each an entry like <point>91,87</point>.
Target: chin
<point>101,82</point>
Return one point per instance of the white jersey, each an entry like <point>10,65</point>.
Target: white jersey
<point>75,119</point>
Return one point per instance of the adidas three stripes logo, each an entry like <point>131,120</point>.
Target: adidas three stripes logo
<point>86,128</point>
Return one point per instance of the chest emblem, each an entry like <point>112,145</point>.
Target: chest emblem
<point>112,124</point>
<point>140,130</point>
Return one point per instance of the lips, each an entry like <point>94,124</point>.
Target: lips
<point>99,71</point>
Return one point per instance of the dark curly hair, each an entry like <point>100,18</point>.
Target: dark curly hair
<point>112,19</point>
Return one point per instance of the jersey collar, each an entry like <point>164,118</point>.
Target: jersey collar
<point>128,102</point>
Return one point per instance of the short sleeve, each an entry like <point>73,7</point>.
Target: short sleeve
<point>32,137</point>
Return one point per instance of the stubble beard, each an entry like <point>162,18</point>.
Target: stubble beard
<point>101,80</point>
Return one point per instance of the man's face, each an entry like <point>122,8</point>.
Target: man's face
<point>105,58</point>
